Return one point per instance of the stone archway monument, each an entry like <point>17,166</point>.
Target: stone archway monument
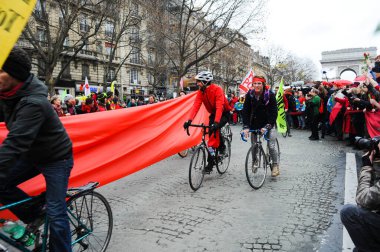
<point>334,63</point>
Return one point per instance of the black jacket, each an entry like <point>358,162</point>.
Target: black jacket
<point>35,131</point>
<point>256,113</point>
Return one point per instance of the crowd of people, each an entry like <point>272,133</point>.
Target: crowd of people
<point>95,103</point>
<point>332,108</point>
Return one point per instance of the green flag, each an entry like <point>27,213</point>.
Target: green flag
<point>281,116</point>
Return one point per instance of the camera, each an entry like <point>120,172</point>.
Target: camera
<point>367,144</point>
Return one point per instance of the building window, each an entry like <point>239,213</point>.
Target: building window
<point>134,34</point>
<point>112,74</point>
<point>41,37</point>
<point>66,42</point>
<point>135,55</point>
<point>66,72</point>
<point>109,30</point>
<point>99,47</point>
<point>134,9</point>
<point>150,57</point>
<point>150,77</point>
<point>85,71</point>
<point>83,23</point>
<point>134,76</point>
<point>41,67</point>
<point>40,6</point>
<point>109,47</point>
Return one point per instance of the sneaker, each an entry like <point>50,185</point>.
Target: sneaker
<point>275,170</point>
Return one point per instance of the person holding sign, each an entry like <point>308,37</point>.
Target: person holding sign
<point>260,113</point>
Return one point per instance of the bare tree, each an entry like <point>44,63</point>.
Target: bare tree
<point>281,64</point>
<point>60,40</point>
<point>194,30</point>
<point>123,37</point>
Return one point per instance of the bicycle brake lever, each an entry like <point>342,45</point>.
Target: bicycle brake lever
<point>187,131</point>
<point>242,137</point>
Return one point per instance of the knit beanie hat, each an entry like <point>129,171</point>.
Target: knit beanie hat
<point>18,64</point>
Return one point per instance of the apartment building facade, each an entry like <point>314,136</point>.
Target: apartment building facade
<point>69,42</point>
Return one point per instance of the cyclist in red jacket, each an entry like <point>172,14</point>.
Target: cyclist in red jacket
<point>216,103</point>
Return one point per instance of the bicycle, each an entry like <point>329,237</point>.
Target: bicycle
<point>90,218</point>
<point>198,159</point>
<point>227,132</point>
<point>256,164</point>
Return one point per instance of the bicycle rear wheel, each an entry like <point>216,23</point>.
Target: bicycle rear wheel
<point>197,165</point>
<point>223,161</point>
<point>255,168</point>
<point>183,153</point>
<point>91,221</point>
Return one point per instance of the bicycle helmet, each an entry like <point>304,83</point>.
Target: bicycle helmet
<point>205,76</point>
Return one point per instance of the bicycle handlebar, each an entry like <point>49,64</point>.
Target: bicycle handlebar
<point>196,126</point>
<point>257,131</point>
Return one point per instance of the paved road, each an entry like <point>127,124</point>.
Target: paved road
<point>156,210</point>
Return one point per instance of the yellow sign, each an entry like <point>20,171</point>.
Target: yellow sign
<point>13,17</point>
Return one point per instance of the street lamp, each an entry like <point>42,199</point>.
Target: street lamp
<point>324,72</point>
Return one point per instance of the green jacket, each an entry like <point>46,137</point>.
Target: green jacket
<point>316,101</point>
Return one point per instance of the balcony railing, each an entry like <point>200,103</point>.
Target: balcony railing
<point>88,52</point>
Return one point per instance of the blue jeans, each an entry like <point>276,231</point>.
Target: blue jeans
<point>363,227</point>
<point>56,177</point>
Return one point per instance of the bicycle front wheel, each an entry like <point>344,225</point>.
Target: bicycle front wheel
<point>223,161</point>
<point>197,165</point>
<point>183,153</point>
<point>255,168</point>
<point>91,222</point>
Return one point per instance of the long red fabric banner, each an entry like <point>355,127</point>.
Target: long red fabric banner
<point>111,145</point>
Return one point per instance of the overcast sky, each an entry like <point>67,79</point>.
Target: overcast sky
<point>307,28</point>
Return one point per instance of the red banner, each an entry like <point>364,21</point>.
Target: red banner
<point>111,145</point>
<point>373,123</point>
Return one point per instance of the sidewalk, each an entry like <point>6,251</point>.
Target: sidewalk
<point>350,185</point>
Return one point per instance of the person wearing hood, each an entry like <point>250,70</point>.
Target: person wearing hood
<point>36,143</point>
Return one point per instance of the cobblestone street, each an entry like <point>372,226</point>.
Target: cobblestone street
<point>156,210</point>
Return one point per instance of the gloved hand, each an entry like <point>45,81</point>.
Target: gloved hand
<point>187,124</point>
<point>214,127</point>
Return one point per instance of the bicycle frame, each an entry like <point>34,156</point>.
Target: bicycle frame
<point>258,144</point>
<point>44,235</point>
<point>204,133</point>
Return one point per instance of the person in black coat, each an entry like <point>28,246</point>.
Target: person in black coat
<point>260,113</point>
<point>36,143</point>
